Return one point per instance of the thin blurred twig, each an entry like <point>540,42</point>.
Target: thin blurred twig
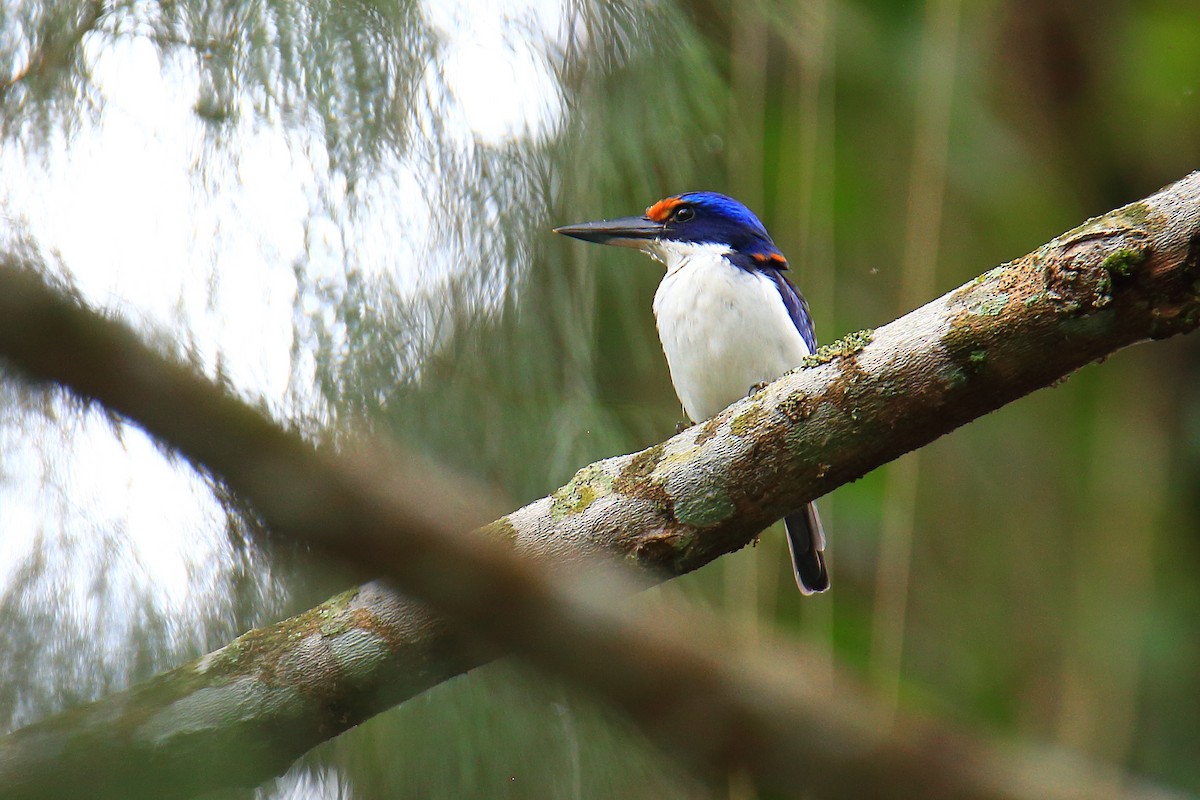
<point>257,704</point>
<point>1112,569</point>
<point>918,279</point>
<point>810,111</point>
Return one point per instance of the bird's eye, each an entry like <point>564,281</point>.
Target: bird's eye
<point>683,214</point>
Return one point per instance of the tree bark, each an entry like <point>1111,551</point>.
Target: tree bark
<point>255,705</point>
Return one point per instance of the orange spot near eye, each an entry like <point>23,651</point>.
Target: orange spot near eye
<point>663,208</point>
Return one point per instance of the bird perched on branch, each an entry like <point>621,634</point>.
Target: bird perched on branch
<point>728,318</point>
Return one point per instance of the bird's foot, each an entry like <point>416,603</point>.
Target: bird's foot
<point>682,426</point>
<point>756,388</point>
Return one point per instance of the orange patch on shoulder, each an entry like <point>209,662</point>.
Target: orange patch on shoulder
<point>663,208</point>
<point>778,258</point>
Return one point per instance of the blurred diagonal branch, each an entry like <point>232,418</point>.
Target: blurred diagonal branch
<point>255,705</point>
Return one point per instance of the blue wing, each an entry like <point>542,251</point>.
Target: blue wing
<point>797,306</point>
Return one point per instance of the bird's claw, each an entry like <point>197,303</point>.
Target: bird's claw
<point>682,426</point>
<point>757,387</point>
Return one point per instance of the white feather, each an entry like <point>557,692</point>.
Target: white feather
<point>723,329</point>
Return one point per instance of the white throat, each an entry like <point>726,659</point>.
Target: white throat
<point>675,255</point>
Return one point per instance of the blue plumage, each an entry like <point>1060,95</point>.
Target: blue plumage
<point>719,219</point>
<point>797,306</point>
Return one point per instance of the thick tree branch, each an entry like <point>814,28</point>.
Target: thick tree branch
<point>267,697</point>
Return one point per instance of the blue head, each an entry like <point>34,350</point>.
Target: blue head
<point>677,223</point>
<point>691,218</point>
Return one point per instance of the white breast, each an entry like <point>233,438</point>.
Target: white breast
<point>723,329</point>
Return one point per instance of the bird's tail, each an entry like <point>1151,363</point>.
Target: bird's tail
<point>806,542</point>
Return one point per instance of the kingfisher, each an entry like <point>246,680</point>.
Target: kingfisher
<point>728,318</point>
